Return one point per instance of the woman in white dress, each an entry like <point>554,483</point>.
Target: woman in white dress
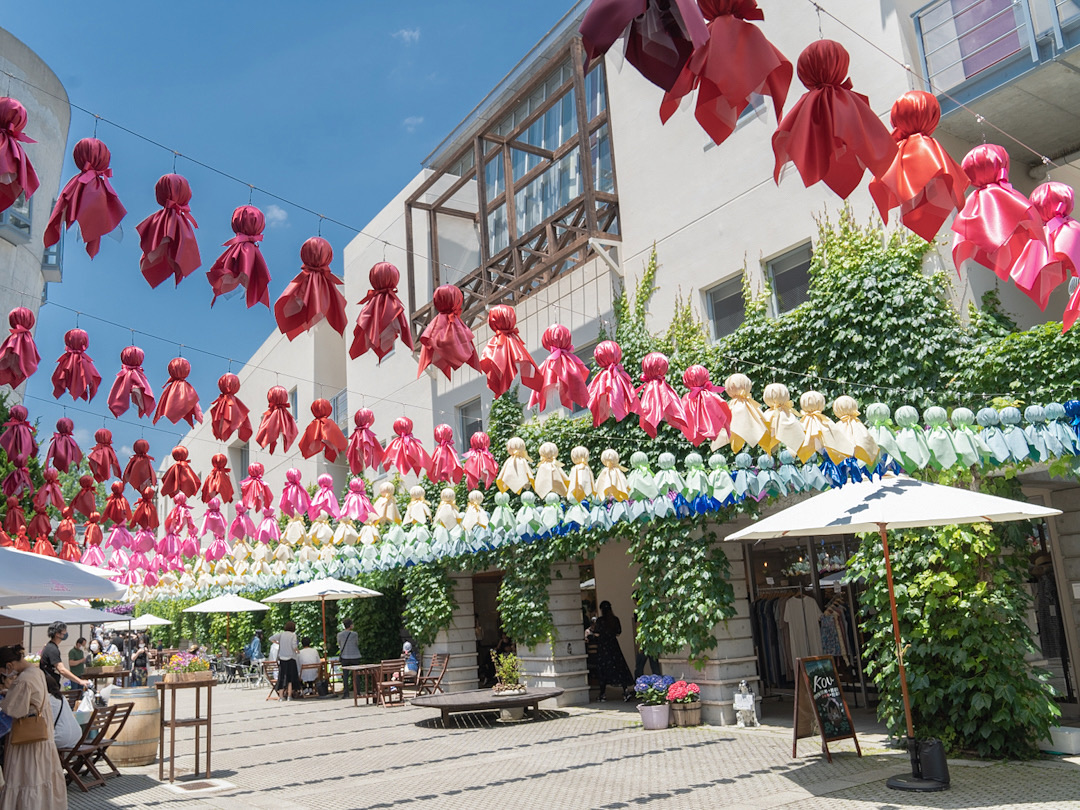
<point>33,777</point>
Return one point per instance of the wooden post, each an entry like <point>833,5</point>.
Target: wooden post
<point>896,633</point>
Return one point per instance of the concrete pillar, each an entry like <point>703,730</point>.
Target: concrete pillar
<point>733,660</point>
<point>459,640</point>
<point>561,662</point>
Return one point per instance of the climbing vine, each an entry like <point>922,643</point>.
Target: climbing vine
<point>430,603</point>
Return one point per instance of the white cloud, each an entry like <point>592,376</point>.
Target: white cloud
<point>408,35</point>
<point>412,122</point>
<point>276,216</point>
<point>84,437</point>
<point>126,451</point>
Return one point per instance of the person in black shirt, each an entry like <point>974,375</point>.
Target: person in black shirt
<point>52,663</point>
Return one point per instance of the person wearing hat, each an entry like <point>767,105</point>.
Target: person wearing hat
<point>52,663</point>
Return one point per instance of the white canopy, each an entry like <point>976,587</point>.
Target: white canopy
<point>891,502</point>
<point>228,603</point>
<point>141,623</point>
<point>27,577</point>
<point>318,590</point>
<point>42,617</point>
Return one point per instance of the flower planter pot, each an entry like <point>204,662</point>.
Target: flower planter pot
<point>686,714</point>
<point>105,670</point>
<point>499,690</point>
<point>185,677</point>
<point>655,717</point>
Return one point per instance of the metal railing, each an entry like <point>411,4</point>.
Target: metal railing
<point>959,39</point>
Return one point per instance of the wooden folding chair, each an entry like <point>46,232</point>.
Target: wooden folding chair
<point>390,690</point>
<point>431,683</point>
<point>101,754</point>
<point>270,672</point>
<point>78,761</point>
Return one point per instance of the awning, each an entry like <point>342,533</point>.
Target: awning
<point>42,617</point>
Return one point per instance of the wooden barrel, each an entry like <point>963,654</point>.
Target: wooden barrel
<point>137,742</point>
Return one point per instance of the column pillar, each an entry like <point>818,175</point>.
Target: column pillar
<point>459,640</point>
<point>561,662</point>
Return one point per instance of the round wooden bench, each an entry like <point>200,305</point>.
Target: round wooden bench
<point>484,700</point>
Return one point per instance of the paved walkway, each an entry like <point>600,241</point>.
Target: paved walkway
<point>326,754</point>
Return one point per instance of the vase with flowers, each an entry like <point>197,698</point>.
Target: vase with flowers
<point>653,706</point>
<point>685,700</point>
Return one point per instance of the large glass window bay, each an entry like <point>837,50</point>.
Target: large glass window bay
<point>545,187</point>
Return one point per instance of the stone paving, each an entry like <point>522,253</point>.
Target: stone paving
<point>327,754</point>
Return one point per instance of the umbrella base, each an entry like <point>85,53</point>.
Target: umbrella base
<point>916,784</point>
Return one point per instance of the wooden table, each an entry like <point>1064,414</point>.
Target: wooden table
<point>370,674</point>
<point>480,700</point>
<point>173,723</point>
<point>123,675</point>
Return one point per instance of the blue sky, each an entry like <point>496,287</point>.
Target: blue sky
<point>332,105</point>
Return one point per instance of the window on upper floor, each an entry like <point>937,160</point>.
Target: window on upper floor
<point>293,404</point>
<point>239,459</point>
<point>340,403</point>
<point>15,221</point>
<point>789,276</point>
<point>470,417</point>
<point>724,303</point>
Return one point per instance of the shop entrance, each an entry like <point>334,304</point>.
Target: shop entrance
<point>488,625</point>
<point>800,607</point>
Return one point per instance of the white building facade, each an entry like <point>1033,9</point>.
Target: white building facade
<point>578,180</point>
<point>26,267</point>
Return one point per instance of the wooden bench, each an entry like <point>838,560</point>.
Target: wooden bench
<point>480,700</point>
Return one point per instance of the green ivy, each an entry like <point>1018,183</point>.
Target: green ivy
<point>682,588</point>
<point>430,605</point>
<point>961,603</point>
<point>523,594</point>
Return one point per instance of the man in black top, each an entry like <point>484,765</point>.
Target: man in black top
<point>51,661</point>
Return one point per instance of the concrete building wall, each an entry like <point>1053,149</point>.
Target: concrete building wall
<point>37,88</point>
<point>312,365</point>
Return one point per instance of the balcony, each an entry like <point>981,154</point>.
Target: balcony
<point>1016,62</point>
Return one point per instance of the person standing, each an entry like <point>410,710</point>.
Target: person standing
<point>253,651</point>
<point>33,777</point>
<point>51,662</point>
<point>288,670</point>
<point>609,657</point>
<point>77,658</point>
<point>349,644</point>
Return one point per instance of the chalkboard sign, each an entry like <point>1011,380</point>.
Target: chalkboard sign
<point>820,706</point>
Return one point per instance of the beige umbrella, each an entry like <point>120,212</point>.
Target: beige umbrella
<point>319,590</point>
<point>228,604</point>
<point>891,502</point>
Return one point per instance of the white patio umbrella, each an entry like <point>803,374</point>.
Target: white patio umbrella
<point>319,590</point>
<point>891,502</point>
<point>27,577</point>
<point>228,604</point>
<point>144,622</point>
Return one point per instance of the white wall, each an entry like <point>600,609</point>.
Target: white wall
<point>672,175</point>
<point>48,114</point>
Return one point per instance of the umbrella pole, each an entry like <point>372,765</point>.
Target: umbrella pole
<point>325,649</point>
<point>228,618</point>
<point>896,633</point>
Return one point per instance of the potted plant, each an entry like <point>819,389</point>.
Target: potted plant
<point>105,663</point>
<point>651,691</point>
<point>685,703</point>
<point>186,667</point>
<point>507,674</point>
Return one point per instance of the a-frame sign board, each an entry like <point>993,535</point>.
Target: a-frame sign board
<point>820,706</point>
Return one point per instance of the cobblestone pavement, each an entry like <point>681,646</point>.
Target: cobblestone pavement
<point>327,754</point>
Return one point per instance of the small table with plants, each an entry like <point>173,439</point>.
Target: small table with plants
<point>184,671</point>
<point>106,667</point>
<point>508,694</point>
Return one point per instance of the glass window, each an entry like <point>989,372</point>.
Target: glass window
<point>15,221</point>
<point>603,171</point>
<point>470,421</point>
<point>789,276</point>
<point>340,402</point>
<point>293,404</point>
<point>725,305</point>
<point>240,459</point>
